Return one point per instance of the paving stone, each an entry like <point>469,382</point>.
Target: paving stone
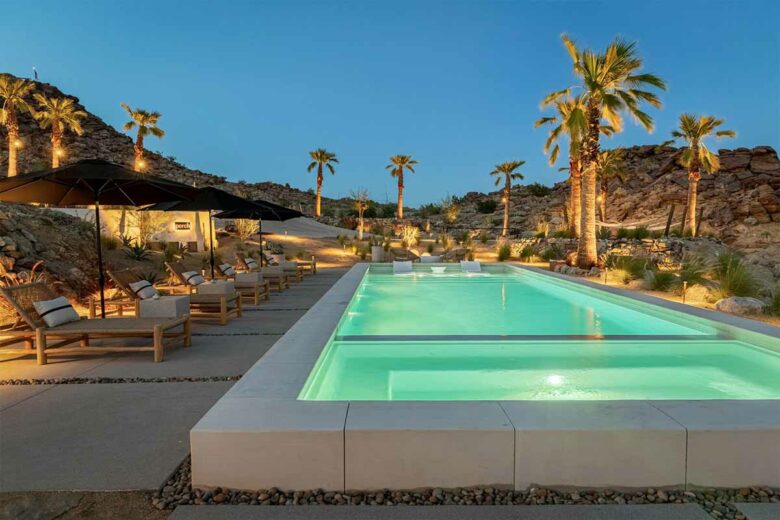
<point>759,511</point>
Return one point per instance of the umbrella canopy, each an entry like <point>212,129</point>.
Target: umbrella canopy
<point>207,199</point>
<point>92,182</point>
<point>265,211</point>
<point>86,182</point>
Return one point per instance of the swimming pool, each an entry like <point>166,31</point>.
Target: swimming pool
<point>509,334</point>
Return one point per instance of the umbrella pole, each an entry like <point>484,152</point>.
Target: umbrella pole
<point>211,248</point>
<point>260,231</point>
<point>101,277</point>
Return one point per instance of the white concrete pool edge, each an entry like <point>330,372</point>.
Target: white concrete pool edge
<point>259,435</point>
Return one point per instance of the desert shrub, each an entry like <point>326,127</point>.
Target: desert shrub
<point>656,280</point>
<point>640,232</point>
<point>245,228</point>
<point>733,276</point>
<point>538,190</point>
<point>553,252</point>
<point>410,235</point>
<point>109,243</point>
<point>623,233</point>
<point>504,252</point>
<point>464,237</point>
<point>527,253</point>
<point>483,237</point>
<point>774,300</point>
<point>387,211</point>
<point>604,233</point>
<point>169,253</point>
<point>693,269</point>
<point>451,208</point>
<point>634,267</point>
<point>656,233</point>
<point>487,206</point>
<point>427,210</point>
<point>137,252</point>
<point>563,233</point>
<point>445,240</point>
<point>430,248</point>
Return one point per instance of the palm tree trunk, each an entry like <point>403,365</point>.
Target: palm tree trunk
<point>360,225</point>
<point>576,197</point>
<point>587,251</point>
<point>507,194</point>
<point>138,149</point>
<point>56,142</point>
<point>400,210</point>
<point>318,203</point>
<point>603,200</point>
<point>693,188</point>
<point>13,136</point>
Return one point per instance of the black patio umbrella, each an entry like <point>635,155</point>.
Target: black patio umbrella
<point>92,182</point>
<point>265,211</point>
<point>207,199</point>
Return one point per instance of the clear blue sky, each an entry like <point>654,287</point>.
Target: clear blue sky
<point>246,89</point>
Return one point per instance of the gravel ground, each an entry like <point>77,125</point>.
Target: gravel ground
<point>178,491</point>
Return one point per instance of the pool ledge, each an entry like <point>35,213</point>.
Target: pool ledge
<point>259,435</point>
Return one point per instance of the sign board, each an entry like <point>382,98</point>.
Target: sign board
<point>182,226</point>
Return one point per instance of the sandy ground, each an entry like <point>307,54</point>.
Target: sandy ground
<point>68,505</point>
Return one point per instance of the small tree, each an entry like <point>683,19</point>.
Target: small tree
<point>361,201</point>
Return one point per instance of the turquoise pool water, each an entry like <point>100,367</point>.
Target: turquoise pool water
<point>519,335</point>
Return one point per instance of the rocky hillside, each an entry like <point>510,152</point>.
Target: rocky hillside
<point>740,203</point>
<point>103,141</point>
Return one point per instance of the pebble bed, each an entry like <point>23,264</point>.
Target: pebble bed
<point>178,491</point>
<point>113,380</point>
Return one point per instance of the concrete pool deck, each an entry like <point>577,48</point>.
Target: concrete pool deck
<point>259,435</point>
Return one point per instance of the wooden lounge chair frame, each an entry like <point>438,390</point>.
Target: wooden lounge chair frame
<point>160,330</point>
<point>253,291</point>
<point>278,282</point>
<point>206,306</point>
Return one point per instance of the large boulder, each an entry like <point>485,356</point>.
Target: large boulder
<point>740,305</point>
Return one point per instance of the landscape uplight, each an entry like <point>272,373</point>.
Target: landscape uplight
<point>18,143</point>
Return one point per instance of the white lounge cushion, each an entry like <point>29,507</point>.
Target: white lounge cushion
<point>227,269</point>
<point>471,266</point>
<point>193,277</point>
<point>430,259</point>
<point>250,263</point>
<point>144,290</point>
<point>402,267</point>
<point>56,312</point>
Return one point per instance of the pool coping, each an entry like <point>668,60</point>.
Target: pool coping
<point>259,435</point>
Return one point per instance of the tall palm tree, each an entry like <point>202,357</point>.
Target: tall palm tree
<point>398,163</point>
<point>319,158</point>
<point>506,172</point>
<point>61,115</point>
<point>146,122</point>
<point>14,92</point>
<point>610,166</point>
<point>612,84</point>
<point>697,157</point>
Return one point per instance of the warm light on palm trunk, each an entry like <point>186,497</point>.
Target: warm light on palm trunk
<point>318,202</point>
<point>138,149</point>
<point>13,138</point>
<point>56,142</point>
<point>693,186</point>
<point>587,251</point>
<point>576,197</point>
<point>400,210</point>
<point>507,194</point>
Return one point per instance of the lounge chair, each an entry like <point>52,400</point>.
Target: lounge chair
<point>454,255</point>
<point>273,274</point>
<point>206,305</point>
<point>471,266</point>
<point>430,259</point>
<point>402,267</point>
<point>403,255</point>
<point>308,266</point>
<point>248,285</point>
<point>162,331</point>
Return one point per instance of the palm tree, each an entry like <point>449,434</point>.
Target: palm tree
<point>360,199</point>
<point>397,165</point>
<point>59,114</point>
<point>506,172</point>
<point>321,157</point>
<point>612,84</point>
<point>146,122</point>
<point>14,93</point>
<point>569,120</point>
<point>696,157</point>
<point>610,166</point>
